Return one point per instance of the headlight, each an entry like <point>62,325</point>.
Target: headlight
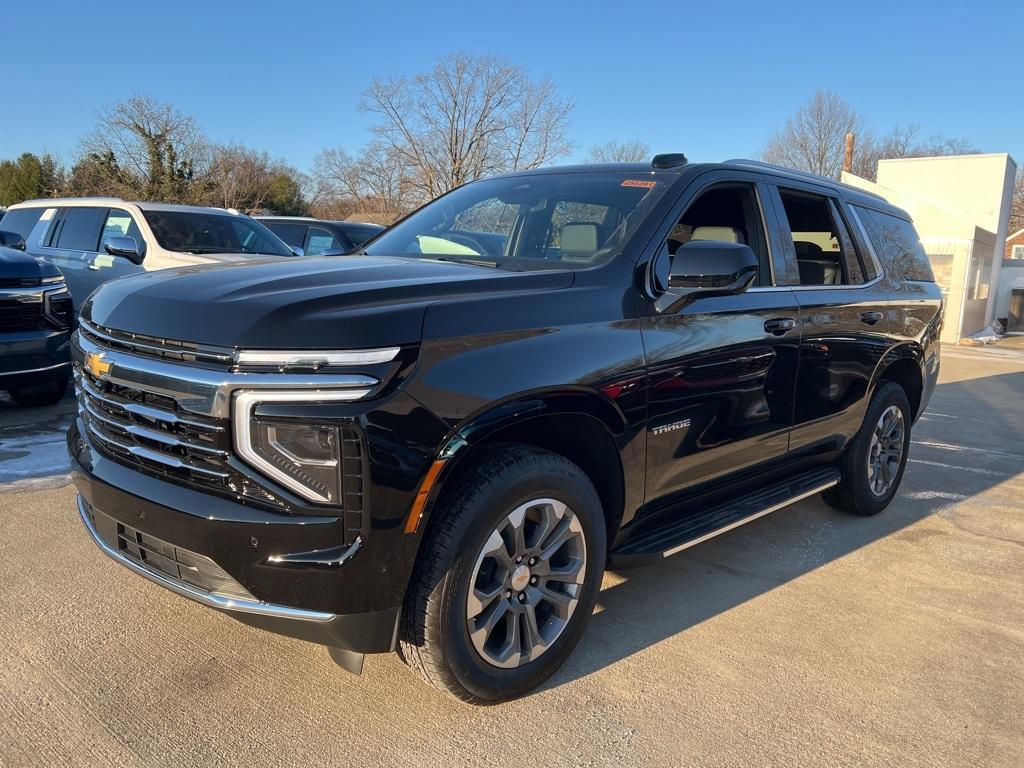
<point>304,457</point>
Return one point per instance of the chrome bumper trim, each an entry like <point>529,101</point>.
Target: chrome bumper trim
<point>35,370</point>
<point>186,590</point>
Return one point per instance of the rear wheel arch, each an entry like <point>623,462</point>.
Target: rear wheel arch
<point>904,365</point>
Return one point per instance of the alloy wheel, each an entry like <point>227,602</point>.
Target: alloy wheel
<point>526,583</point>
<point>886,453</point>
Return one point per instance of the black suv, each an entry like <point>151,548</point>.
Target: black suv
<point>438,444</point>
<point>317,237</point>
<point>36,318</point>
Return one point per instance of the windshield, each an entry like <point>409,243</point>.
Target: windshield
<point>209,232</point>
<point>528,222</point>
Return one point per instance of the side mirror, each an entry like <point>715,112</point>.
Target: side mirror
<point>125,247</point>
<point>296,251</point>
<point>704,268</point>
<point>12,240</point>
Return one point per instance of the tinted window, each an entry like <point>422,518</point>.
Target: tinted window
<point>292,233</point>
<point>517,221</point>
<point>319,240</point>
<point>121,224</point>
<point>359,233</point>
<point>202,232</point>
<point>21,221</point>
<point>898,245</point>
<point>80,229</point>
<point>821,247</point>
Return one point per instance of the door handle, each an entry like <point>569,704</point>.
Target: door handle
<point>779,325</point>
<point>870,317</point>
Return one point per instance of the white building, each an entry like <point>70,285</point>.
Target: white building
<point>961,208</point>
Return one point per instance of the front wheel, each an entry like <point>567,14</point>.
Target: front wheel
<point>508,578</point>
<point>872,466</point>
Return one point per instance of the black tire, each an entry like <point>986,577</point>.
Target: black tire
<point>50,393</point>
<point>854,493</point>
<point>434,636</point>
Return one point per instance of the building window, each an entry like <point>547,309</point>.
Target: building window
<point>1017,252</point>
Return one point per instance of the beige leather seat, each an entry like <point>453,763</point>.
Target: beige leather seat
<point>718,234</point>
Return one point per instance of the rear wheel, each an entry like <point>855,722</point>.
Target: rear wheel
<point>507,581</point>
<point>49,393</point>
<point>872,466</point>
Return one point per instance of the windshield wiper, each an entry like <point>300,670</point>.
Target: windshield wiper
<point>459,260</point>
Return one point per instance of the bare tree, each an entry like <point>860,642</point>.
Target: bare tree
<point>238,177</point>
<point>619,152</point>
<point>813,139</point>
<point>468,117</point>
<point>1017,206</point>
<point>158,150</point>
<point>902,141</point>
<point>376,185</point>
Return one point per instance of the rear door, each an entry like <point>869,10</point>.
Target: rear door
<point>74,244</point>
<point>844,315</point>
<point>722,370</point>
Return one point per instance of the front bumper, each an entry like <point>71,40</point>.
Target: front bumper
<point>28,358</point>
<point>306,600</point>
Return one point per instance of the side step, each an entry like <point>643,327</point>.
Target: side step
<point>686,530</point>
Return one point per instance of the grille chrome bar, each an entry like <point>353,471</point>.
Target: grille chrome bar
<point>145,411</point>
<point>148,454</point>
<point>164,348</point>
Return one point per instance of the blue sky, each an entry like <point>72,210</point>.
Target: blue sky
<point>710,79</point>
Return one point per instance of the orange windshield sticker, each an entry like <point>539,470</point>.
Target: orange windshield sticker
<point>639,183</point>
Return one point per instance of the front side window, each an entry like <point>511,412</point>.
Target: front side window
<point>727,213</point>
<point>80,229</point>
<point>201,232</point>
<point>121,224</point>
<point>824,252</point>
<point>543,221</point>
<point>320,240</point>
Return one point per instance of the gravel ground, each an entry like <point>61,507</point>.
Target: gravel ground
<point>805,638</point>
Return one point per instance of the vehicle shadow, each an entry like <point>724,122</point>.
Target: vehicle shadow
<point>643,606</point>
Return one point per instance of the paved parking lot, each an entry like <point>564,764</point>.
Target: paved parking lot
<point>805,638</point>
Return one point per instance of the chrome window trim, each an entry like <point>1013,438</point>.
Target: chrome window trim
<point>244,403</point>
<point>210,599</point>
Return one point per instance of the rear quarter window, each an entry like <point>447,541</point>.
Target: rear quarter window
<point>897,245</point>
<point>21,221</point>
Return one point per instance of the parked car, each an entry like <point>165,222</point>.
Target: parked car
<point>439,443</point>
<point>316,237</point>
<point>94,239</point>
<point>36,320</point>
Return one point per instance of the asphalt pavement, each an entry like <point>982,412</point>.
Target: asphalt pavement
<point>806,638</point>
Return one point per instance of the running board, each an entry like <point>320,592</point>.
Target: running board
<point>684,531</point>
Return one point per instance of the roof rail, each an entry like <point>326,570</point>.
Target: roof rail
<point>60,200</point>
<point>670,160</point>
<point>798,173</point>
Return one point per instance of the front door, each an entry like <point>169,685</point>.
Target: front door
<point>722,370</point>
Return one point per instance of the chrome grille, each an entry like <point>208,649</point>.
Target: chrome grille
<point>147,431</point>
<point>151,346</point>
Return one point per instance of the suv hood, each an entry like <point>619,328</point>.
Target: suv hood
<point>336,302</point>
<point>18,265</point>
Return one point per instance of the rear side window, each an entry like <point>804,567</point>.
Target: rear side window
<point>359,234</point>
<point>289,231</point>
<point>824,251</point>
<point>21,221</point>
<point>898,245</point>
<point>80,229</point>
<point>321,240</point>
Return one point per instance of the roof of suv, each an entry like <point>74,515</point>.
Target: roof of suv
<point>72,202</point>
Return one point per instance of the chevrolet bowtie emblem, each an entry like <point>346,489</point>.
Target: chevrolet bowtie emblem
<point>96,365</point>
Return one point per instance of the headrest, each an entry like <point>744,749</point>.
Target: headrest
<point>578,239</point>
<point>719,234</point>
<point>807,250</point>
